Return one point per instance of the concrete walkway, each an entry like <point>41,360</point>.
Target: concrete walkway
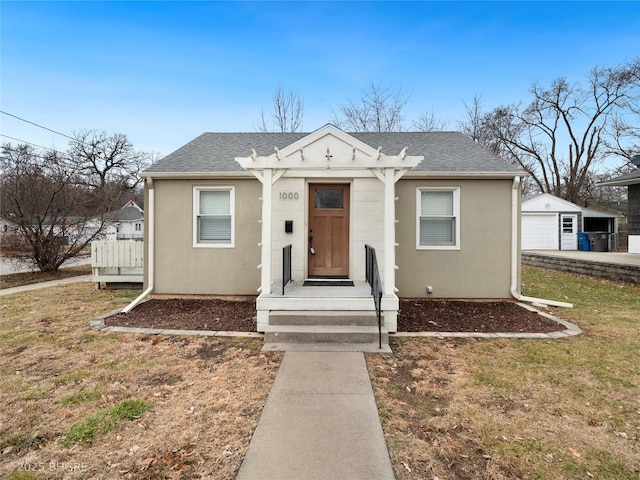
<point>320,422</point>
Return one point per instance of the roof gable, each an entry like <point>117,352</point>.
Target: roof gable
<point>545,202</point>
<point>347,145</point>
<point>329,148</point>
<point>133,204</point>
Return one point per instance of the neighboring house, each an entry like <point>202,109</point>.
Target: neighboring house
<point>551,223</point>
<point>441,212</point>
<point>126,223</point>
<point>9,231</point>
<point>632,181</point>
<point>75,229</point>
<point>7,226</point>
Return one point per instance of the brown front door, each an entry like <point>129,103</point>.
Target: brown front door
<point>328,230</point>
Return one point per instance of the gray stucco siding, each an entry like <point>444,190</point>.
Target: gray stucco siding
<point>184,269</point>
<point>481,267</point>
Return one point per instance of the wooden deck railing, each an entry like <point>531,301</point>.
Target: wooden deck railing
<point>117,261</point>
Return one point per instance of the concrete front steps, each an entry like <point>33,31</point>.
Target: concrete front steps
<point>324,331</point>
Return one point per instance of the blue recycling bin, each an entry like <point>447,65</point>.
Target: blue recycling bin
<point>583,242</point>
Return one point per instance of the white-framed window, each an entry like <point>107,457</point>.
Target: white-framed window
<point>213,222</point>
<point>138,227</point>
<point>438,222</point>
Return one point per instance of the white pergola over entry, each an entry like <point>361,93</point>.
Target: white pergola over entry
<point>329,154</point>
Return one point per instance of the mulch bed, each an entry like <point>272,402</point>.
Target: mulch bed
<point>414,316</point>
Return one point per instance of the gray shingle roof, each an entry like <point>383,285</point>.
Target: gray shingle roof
<point>443,151</point>
<point>630,178</point>
<point>125,214</point>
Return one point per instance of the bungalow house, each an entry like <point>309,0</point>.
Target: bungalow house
<point>632,181</point>
<point>242,213</point>
<point>552,223</point>
<point>126,223</point>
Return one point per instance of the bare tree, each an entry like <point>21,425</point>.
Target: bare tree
<point>561,135</point>
<point>380,109</point>
<point>624,128</point>
<point>107,160</point>
<point>54,217</point>
<point>57,201</point>
<point>427,122</point>
<point>287,114</point>
<point>475,125</point>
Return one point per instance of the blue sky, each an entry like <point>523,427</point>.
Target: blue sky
<point>164,72</point>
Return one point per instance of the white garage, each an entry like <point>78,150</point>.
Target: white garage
<point>539,231</point>
<point>551,223</point>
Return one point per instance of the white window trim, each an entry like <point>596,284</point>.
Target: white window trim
<point>456,215</point>
<point>196,210</point>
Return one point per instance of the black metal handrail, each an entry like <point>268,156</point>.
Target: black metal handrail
<point>373,279</point>
<point>286,266</point>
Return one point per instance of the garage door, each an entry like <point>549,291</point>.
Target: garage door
<point>539,232</point>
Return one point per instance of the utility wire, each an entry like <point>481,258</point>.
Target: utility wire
<point>28,143</point>
<point>59,153</point>
<point>37,125</point>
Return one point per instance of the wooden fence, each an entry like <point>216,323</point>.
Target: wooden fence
<point>117,261</point>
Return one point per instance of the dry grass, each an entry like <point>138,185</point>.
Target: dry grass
<point>463,409</point>
<point>523,409</point>
<point>204,395</point>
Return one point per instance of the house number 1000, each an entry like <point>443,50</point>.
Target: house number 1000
<point>288,195</point>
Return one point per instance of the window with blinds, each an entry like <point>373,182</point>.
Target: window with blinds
<point>438,218</point>
<point>214,216</point>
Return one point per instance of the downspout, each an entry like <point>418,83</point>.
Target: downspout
<point>151,247</point>
<point>515,234</point>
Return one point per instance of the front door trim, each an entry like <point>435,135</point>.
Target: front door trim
<point>329,233</point>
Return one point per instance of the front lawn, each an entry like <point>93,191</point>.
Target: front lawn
<point>75,403</point>
<point>521,409</point>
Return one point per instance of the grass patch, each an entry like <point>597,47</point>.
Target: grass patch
<point>21,475</point>
<point>127,294</point>
<point>81,397</point>
<point>24,441</point>
<point>104,421</point>
<point>35,392</point>
<point>72,377</point>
